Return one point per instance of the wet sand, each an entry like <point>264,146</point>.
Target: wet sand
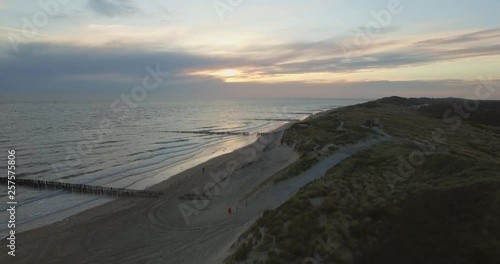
<point>173,230</point>
<point>154,230</point>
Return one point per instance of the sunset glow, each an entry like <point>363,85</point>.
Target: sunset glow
<point>228,73</point>
<point>312,44</point>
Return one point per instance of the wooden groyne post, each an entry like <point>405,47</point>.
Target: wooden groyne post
<point>82,188</point>
<point>227,133</point>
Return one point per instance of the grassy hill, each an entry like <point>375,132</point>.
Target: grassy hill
<point>430,195</point>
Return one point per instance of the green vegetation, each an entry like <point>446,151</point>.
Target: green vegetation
<point>317,138</point>
<point>420,198</point>
<point>313,135</point>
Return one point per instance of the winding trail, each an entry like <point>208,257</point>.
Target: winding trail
<point>151,230</point>
<point>341,125</point>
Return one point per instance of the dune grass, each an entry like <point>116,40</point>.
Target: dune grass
<point>315,139</point>
<point>445,209</point>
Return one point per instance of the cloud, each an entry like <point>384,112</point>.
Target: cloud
<point>331,55</point>
<point>112,66</point>
<point>3,5</point>
<point>49,67</point>
<point>465,38</point>
<point>112,8</point>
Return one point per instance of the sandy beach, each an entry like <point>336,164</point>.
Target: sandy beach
<point>143,230</point>
<point>171,229</point>
<point>249,132</point>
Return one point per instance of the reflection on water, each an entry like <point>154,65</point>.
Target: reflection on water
<point>60,141</point>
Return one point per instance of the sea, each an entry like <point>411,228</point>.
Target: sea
<point>110,143</point>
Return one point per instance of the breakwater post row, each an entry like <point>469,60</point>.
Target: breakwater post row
<point>228,133</point>
<point>223,133</point>
<point>278,119</point>
<point>82,188</point>
<point>193,196</point>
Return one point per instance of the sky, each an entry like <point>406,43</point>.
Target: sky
<point>251,48</point>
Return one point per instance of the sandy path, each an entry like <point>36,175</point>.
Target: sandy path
<point>155,231</point>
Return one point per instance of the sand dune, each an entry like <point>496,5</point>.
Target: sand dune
<point>148,230</point>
